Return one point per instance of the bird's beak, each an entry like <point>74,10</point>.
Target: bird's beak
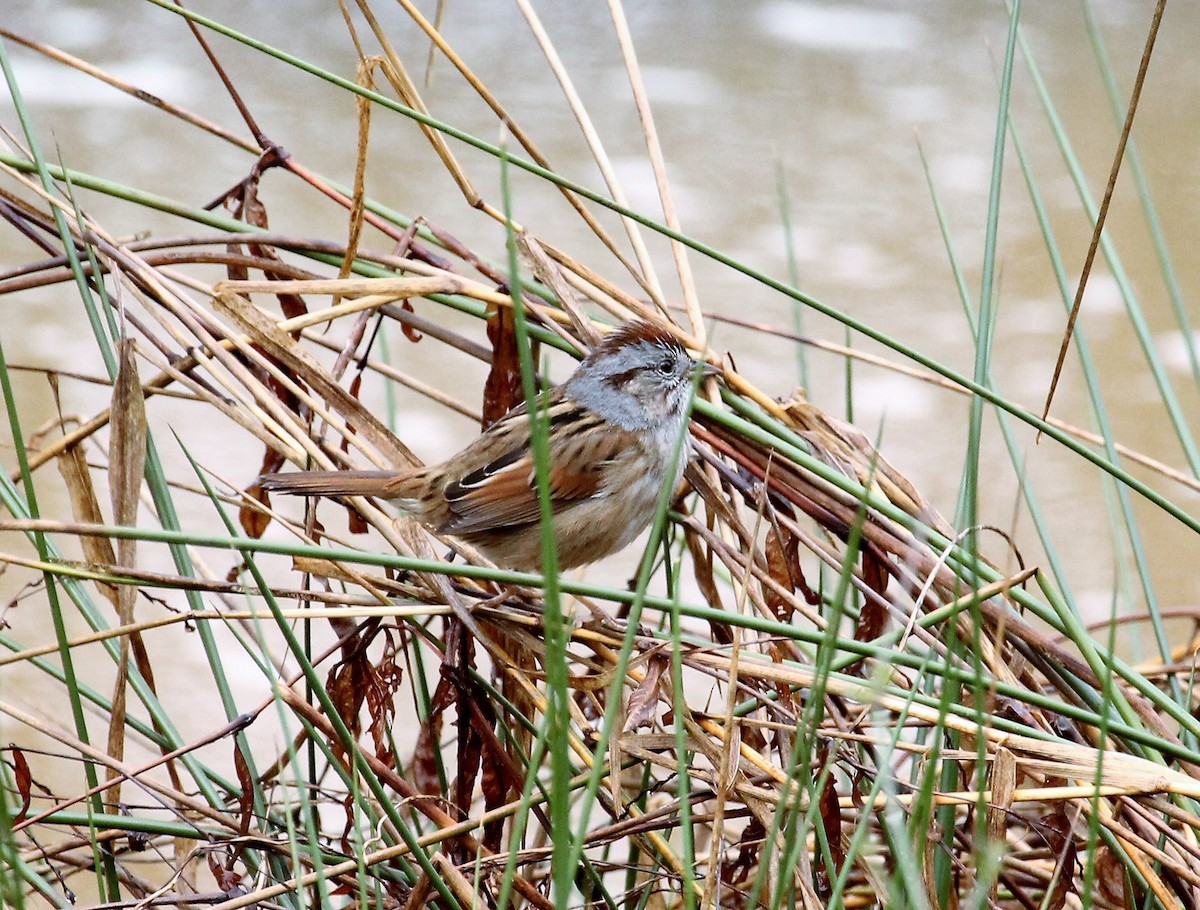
<point>704,370</point>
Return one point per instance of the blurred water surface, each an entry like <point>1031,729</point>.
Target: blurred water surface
<point>832,99</point>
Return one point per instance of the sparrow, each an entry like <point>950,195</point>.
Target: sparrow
<point>614,433</point>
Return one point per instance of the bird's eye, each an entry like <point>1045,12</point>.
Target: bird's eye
<point>666,365</point>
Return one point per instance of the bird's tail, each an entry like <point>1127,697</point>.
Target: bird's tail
<point>383,484</point>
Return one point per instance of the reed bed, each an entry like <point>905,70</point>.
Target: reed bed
<point>813,692</point>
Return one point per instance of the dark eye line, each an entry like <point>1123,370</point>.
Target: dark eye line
<point>620,380</point>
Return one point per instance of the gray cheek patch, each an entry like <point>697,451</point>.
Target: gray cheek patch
<point>614,405</point>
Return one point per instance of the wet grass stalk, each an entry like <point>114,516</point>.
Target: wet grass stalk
<point>557,693</point>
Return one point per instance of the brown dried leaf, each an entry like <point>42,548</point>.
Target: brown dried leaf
<point>496,789</point>
<point>127,464</point>
<point>521,703</point>
<point>24,782</point>
<point>127,456</point>
<point>354,521</point>
<point>875,571</point>
<point>643,703</point>
<point>291,305</point>
<point>1016,711</point>
<point>409,332</point>
<point>811,597</point>
<point>470,754</point>
<point>1110,875</point>
<point>227,880</point>
<point>384,680</point>
<point>236,271</point>
<point>702,570</point>
<point>872,619</point>
<point>253,521</point>
<point>831,822</point>
<point>779,568</point>
<point>749,844</point>
<point>424,764</point>
<point>246,205</point>
<point>457,659</point>
<point>281,390</point>
<point>1056,829</point>
<point>234,202</point>
<point>246,783</point>
<point>355,392</point>
<point>502,391</point>
<point>85,506</point>
<point>753,736</point>
<point>349,823</point>
<point>346,685</point>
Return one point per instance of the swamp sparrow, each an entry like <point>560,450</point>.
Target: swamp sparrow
<point>613,430</point>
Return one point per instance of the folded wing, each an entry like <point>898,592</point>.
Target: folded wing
<point>503,492</point>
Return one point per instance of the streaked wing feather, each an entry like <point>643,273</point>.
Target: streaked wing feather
<point>503,493</point>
